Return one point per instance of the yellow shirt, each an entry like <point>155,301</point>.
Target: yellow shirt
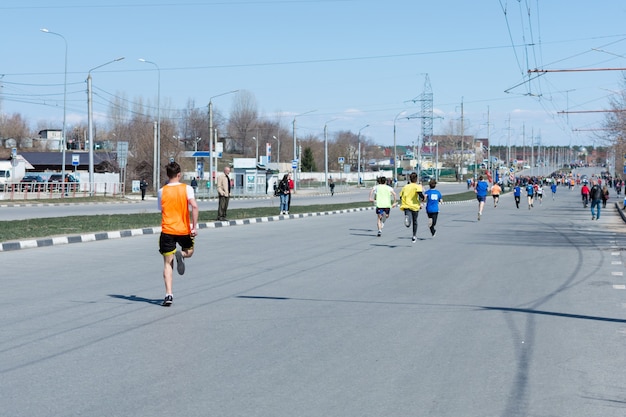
<point>409,197</point>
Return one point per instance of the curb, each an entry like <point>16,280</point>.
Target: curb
<point>92,237</point>
<point>620,210</point>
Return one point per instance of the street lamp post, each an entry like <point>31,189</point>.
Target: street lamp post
<point>64,105</point>
<point>257,150</point>
<point>211,147</point>
<point>395,149</point>
<point>196,158</point>
<point>90,124</point>
<point>277,139</point>
<point>358,168</point>
<point>326,152</point>
<point>430,146</point>
<point>295,149</point>
<point>156,174</point>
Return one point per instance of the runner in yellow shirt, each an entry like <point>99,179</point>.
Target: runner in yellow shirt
<point>411,198</point>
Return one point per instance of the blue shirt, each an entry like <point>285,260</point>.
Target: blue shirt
<point>432,201</point>
<point>553,187</point>
<point>517,192</point>
<point>481,188</point>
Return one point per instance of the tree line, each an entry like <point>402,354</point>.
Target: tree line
<point>241,131</point>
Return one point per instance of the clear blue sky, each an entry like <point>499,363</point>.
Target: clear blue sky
<point>360,62</point>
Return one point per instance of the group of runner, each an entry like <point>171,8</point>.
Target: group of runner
<point>412,200</point>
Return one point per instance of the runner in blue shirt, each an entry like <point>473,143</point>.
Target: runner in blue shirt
<point>517,193</point>
<point>553,188</point>
<point>433,198</point>
<point>481,189</point>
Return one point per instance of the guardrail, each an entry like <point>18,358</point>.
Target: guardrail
<point>54,190</point>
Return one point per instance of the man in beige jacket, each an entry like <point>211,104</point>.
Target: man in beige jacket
<point>223,190</point>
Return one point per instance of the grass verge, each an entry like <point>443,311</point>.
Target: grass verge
<point>76,225</point>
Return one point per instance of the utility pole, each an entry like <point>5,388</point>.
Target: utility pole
<point>462,137</point>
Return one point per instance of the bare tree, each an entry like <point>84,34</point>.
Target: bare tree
<point>193,126</point>
<point>14,126</point>
<point>615,123</point>
<point>243,121</point>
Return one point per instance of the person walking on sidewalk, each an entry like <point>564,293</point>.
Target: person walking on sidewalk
<point>595,195</point>
<point>174,201</point>
<point>433,198</point>
<point>411,197</point>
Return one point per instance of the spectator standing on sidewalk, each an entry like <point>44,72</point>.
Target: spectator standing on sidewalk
<point>291,187</point>
<point>143,186</point>
<point>194,184</point>
<point>284,193</point>
<point>223,191</point>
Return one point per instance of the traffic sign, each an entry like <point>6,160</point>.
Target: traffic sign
<point>201,154</point>
<point>75,160</point>
<point>341,159</point>
<point>294,164</point>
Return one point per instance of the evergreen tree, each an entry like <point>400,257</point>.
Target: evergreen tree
<point>308,162</point>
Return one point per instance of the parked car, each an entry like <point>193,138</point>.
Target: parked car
<point>54,182</point>
<point>33,183</point>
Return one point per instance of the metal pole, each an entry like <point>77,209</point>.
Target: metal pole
<point>90,125</point>
<point>326,153</point>
<point>295,149</point>
<point>63,145</point>
<point>155,160</point>
<point>210,147</point>
<point>326,156</point>
<point>196,140</point>
<point>213,145</point>
<point>358,138</point>
<point>437,162</point>
<point>90,133</point>
<point>395,148</point>
<point>278,154</point>
<point>295,157</point>
<point>157,167</point>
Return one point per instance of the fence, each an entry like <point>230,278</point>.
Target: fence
<point>54,190</point>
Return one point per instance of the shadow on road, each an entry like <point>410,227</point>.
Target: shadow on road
<point>136,299</point>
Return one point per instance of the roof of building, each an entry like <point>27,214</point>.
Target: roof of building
<point>55,158</point>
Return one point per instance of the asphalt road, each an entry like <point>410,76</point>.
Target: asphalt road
<point>519,314</point>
